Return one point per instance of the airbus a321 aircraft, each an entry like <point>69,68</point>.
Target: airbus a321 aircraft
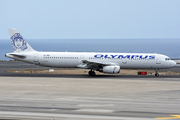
<point>102,62</point>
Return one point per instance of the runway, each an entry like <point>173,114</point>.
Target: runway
<point>88,98</point>
<point>83,97</point>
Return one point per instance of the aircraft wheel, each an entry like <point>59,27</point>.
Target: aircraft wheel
<point>92,73</point>
<point>157,75</point>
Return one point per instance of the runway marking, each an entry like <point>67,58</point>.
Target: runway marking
<point>95,110</point>
<point>94,105</point>
<point>175,117</point>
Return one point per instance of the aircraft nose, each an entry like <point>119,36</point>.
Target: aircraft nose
<point>174,63</point>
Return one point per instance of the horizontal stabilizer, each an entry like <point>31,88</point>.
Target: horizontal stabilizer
<point>16,55</point>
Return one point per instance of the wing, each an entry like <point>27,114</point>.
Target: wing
<point>89,64</point>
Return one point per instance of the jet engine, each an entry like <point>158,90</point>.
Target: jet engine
<point>110,69</point>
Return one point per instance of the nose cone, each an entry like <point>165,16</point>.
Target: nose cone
<point>173,63</point>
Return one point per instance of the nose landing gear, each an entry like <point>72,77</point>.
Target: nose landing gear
<point>156,74</point>
<point>92,73</point>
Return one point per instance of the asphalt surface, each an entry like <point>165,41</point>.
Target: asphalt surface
<point>82,97</point>
<point>21,66</point>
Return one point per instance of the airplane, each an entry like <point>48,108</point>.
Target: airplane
<point>103,62</point>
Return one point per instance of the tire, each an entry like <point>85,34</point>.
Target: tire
<point>157,75</point>
<point>90,73</point>
<point>93,73</point>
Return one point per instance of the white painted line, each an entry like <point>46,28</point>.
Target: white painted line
<point>95,110</point>
<point>94,105</point>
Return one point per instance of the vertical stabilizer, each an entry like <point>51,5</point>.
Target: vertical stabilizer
<point>19,44</point>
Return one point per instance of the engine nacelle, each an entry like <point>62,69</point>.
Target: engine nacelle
<point>110,69</point>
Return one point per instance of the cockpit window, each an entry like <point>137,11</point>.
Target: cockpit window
<point>167,59</point>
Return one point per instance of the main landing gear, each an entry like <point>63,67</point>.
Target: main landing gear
<point>156,74</point>
<point>92,73</point>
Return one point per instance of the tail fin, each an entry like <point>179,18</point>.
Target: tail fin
<point>19,44</point>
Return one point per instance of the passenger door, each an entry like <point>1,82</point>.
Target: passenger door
<point>36,57</point>
<point>158,59</point>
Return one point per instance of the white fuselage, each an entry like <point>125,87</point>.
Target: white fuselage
<point>74,59</point>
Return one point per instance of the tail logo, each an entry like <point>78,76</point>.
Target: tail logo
<point>18,42</point>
